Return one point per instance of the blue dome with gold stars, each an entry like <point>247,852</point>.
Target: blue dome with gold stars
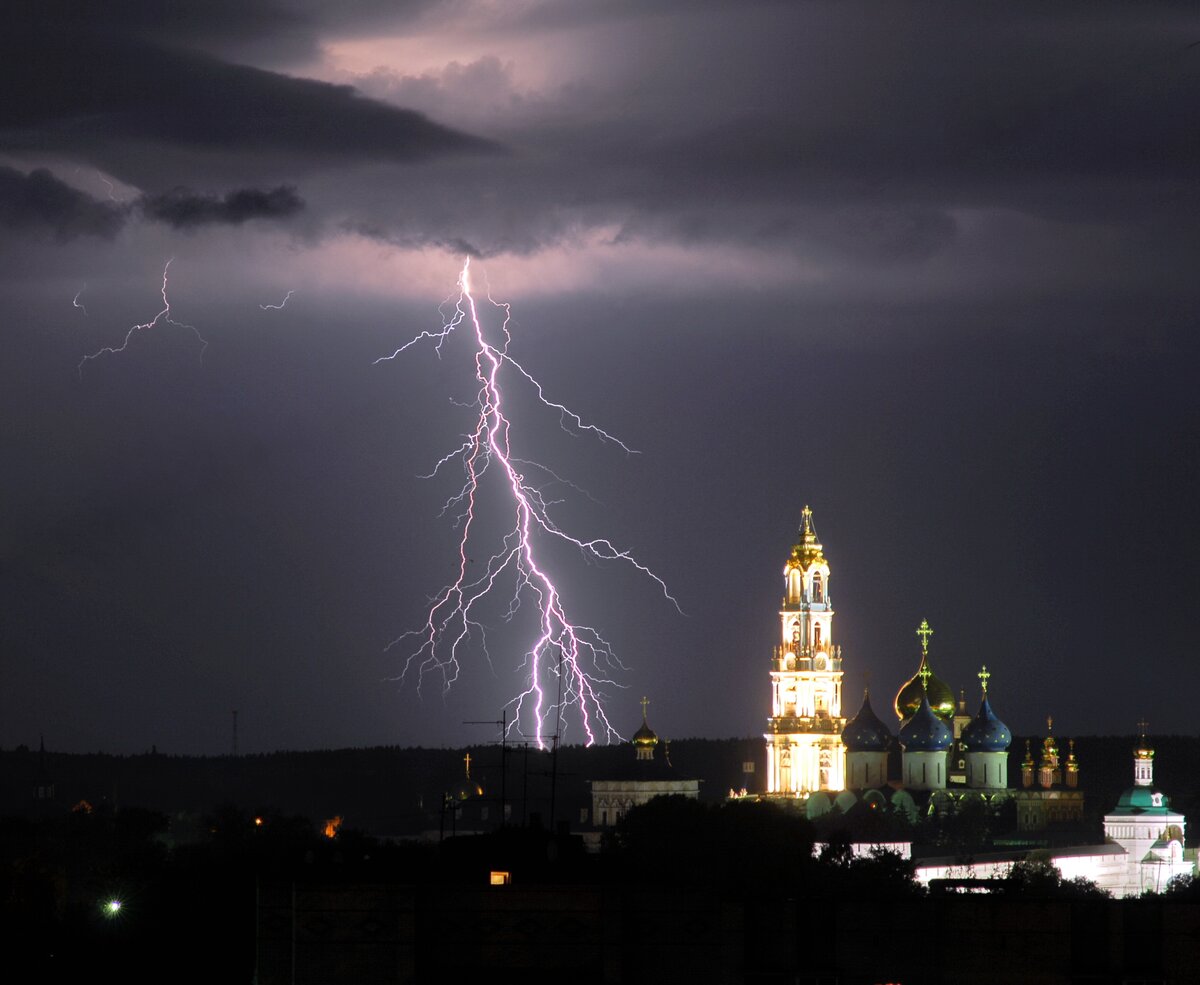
<point>925,731</point>
<point>865,732</point>
<point>985,732</point>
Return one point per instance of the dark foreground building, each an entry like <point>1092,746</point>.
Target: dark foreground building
<point>588,935</point>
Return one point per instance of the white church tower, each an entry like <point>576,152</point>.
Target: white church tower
<point>804,734</point>
<point>1151,833</point>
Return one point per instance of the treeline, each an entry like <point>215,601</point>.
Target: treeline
<point>386,790</point>
<point>396,791</point>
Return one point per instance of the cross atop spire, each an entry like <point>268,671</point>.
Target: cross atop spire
<point>924,631</point>
<point>645,705</point>
<point>984,677</point>
<point>925,673</point>
<point>467,760</point>
<point>1142,726</point>
<point>1049,724</point>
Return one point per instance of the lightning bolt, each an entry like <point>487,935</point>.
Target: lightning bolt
<point>162,316</point>
<point>568,657</point>
<point>277,307</point>
<point>75,302</point>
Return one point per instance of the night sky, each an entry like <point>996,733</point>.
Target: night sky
<point>933,269</point>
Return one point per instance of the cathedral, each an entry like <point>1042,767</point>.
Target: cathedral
<point>820,761</point>
<point>814,751</point>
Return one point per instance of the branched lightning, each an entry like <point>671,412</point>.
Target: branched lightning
<point>277,307</point>
<point>162,316</point>
<point>567,657</point>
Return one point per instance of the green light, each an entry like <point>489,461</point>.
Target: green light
<point>112,907</point>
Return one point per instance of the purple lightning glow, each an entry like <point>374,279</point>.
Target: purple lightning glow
<point>566,658</point>
<point>280,306</point>
<point>162,316</point>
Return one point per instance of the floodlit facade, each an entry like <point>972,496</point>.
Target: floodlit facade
<point>804,733</point>
<point>1143,849</point>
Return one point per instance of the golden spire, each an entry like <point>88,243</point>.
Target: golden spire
<point>467,760</point>
<point>924,631</point>
<point>984,677</point>
<point>1049,725</point>
<point>645,705</point>
<point>807,549</point>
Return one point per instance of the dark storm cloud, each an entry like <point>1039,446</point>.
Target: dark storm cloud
<point>183,209</point>
<point>143,110</point>
<point>38,201</point>
<point>860,136</point>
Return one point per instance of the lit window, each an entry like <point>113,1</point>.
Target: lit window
<point>499,878</point>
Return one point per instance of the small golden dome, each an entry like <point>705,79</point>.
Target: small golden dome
<point>645,738</point>
<point>807,551</point>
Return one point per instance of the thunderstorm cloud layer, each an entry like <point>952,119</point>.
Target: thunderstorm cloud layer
<point>931,270</point>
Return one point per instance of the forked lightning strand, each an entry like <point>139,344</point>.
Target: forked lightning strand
<point>277,307</point>
<point>566,658</point>
<point>162,316</point>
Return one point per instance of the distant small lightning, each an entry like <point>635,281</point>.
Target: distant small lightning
<point>277,307</point>
<point>76,303</point>
<point>566,656</point>
<point>162,316</point>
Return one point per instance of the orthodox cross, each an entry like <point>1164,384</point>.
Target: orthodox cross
<point>924,631</point>
<point>924,673</point>
<point>1142,726</point>
<point>1049,724</point>
<point>984,677</point>
<point>645,704</point>
<point>467,760</point>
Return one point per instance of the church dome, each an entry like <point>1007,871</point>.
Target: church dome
<point>1142,800</point>
<point>645,737</point>
<point>985,732</point>
<point>910,696</point>
<point>865,732</point>
<point>925,731</point>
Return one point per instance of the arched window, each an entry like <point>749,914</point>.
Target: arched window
<point>817,636</point>
<point>816,587</point>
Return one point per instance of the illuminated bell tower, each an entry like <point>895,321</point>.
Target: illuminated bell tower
<point>804,734</point>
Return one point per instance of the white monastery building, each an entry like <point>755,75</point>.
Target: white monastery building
<point>819,761</point>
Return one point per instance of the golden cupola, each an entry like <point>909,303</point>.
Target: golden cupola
<point>924,683</point>
<point>807,550</point>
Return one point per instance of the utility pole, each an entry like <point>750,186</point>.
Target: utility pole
<point>235,744</point>
<point>554,747</point>
<point>503,725</point>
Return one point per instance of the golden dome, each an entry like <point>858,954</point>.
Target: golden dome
<point>807,551</point>
<point>908,698</point>
<point>645,738</point>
